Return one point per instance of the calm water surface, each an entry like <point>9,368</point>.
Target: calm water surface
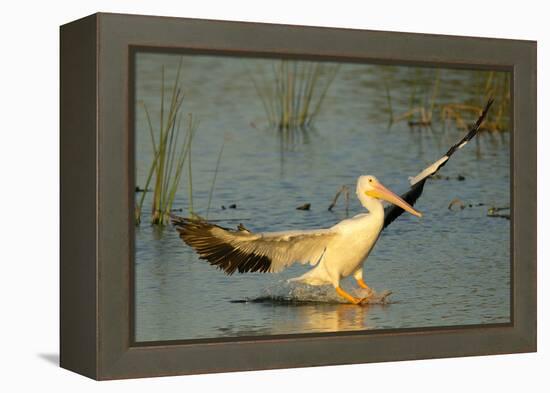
<point>448,268</point>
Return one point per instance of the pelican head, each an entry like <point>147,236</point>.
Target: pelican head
<point>371,187</point>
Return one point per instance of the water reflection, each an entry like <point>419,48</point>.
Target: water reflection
<point>311,318</point>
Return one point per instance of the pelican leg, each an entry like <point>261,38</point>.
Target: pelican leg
<point>348,297</point>
<point>363,285</point>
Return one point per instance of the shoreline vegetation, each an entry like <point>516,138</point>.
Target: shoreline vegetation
<point>425,93</point>
<point>292,94</point>
<point>171,155</point>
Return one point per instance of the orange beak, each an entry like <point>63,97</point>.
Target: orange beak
<point>381,192</point>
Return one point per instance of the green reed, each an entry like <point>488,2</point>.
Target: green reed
<point>425,102</point>
<point>421,106</point>
<point>490,84</point>
<point>211,193</point>
<point>170,153</point>
<point>292,96</point>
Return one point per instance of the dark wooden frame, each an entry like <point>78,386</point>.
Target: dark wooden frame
<point>97,196</point>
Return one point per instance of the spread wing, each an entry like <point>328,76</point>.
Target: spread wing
<point>244,251</point>
<point>417,183</point>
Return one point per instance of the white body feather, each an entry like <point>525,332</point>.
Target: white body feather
<point>347,250</point>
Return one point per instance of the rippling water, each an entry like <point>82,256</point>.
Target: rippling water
<point>448,268</point>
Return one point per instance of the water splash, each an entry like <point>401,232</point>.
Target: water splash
<point>293,293</point>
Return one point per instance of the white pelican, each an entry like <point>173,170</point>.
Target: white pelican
<point>336,252</point>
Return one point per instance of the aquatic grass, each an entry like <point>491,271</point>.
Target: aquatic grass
<point>190,173</point>
<point>211,193</point>
<point>424,102</point>
<point>293,95</point>
<point>490,85</point>
<point>421,108</point>
<point>389,103</point>
<point>498,86</point>
<point>169,154</point>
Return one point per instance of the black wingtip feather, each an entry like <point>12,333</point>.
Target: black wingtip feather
<point>392,211</point>
<point>411,196</point>
<point>473,131</point>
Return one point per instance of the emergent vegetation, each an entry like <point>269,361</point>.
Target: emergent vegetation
<point>171,153</point>
<point>292,97</point>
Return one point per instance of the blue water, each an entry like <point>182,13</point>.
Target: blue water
<point>452,267</point>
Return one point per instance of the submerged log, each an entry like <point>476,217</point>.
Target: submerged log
<point>456,202</point>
